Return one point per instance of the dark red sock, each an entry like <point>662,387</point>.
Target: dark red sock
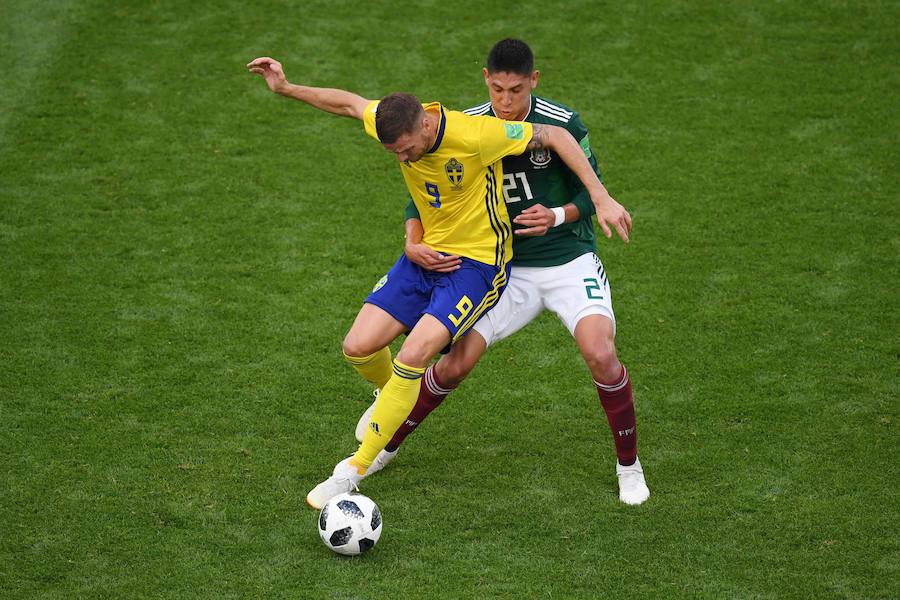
<point>618,404</point>
<point>431,394</point>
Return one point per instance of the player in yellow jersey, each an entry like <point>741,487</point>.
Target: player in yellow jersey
<point>451,163</point>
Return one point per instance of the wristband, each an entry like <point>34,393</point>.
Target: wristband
<point>560,213</point>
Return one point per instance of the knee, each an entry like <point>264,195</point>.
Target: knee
<point>414,356</point>
<point>603,362</point>
<point>354,346</point>
<point>451,370</point>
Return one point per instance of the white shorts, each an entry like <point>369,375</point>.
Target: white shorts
<point>574,290</point>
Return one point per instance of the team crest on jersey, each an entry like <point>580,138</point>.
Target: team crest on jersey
<point>540,158</point>
<point>454,170</point>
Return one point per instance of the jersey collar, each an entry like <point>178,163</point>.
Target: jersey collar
<point>531,103</point>
<point>443,125</point>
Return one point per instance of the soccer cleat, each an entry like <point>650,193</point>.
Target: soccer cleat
<point>381,461</point>
<point>632,486</point>
<point>363,423</point>
<point>344,478</point>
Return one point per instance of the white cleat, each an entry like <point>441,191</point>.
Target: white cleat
<point>363,423</point>
<point>381,461</point>
<point>344,479</point>
<point>632,486</point>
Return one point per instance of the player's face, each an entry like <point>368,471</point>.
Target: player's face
<point>411,146</point>
<point>510,93</point>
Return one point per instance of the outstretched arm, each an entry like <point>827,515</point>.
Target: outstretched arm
<point>338,102</point>
<point>609,212</point>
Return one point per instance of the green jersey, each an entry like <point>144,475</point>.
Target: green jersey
<point>541,177</point>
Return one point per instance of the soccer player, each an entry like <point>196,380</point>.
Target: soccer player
<point>554,267</point>
<point>451,163</point>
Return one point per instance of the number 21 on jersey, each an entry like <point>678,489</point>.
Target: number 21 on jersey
<point>510,185</point>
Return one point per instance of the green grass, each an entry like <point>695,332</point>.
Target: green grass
<point>182,253</point>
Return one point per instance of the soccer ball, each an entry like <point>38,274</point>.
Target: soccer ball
<point>350,523</point>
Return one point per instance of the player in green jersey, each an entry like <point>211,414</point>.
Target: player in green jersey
<point>554,267</point>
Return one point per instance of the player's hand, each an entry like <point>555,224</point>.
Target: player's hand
<point>428,259</point>
<point>271,71</point>
<point>536,220</point>
<point>611,213</point>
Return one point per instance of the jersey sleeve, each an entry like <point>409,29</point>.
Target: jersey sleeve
<point>499,138</point>
<point>411,211</point>
<point>581,198</point>
<point>369,118</point>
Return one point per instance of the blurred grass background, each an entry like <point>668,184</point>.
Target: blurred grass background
<point>182,253</point>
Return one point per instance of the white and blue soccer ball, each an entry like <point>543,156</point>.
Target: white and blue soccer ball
<point>350,523</point>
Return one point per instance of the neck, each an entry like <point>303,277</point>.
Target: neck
<point>524,114</point>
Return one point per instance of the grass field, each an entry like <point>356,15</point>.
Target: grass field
<point>181,253</point>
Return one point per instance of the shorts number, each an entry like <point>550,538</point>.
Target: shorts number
<point>463,306</point>
<point>593,288</point>
<point>435,193</point>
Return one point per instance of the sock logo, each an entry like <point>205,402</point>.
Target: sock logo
<point>374,427</point>
<point>624,432</point>
<point>411,423</point>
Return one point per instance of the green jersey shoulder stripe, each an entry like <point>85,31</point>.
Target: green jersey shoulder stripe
<point>543,107</point>
<point>552,107</point>
<point>479,110</point>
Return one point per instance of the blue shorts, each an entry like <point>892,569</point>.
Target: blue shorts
<point>456,299</point>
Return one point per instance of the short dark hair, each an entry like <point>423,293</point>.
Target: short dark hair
<point>512,56</point>
<point>397,114</point>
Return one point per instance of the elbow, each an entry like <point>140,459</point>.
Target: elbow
<point>559,136</point>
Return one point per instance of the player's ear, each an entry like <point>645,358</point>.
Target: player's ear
<point>484,71</point>
<point>535,75</point>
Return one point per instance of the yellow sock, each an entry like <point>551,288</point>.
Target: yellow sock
<point>375,368</point>
<point>394,404</point>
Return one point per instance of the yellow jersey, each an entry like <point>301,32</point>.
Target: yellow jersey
<point>455,184</point>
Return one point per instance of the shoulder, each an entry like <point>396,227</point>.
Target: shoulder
<point>474,123</point>
<point>553,110</point>
<point>368,118</point>
<point>554,113</point>
<point>464,130</point>
<point>481,109</point>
